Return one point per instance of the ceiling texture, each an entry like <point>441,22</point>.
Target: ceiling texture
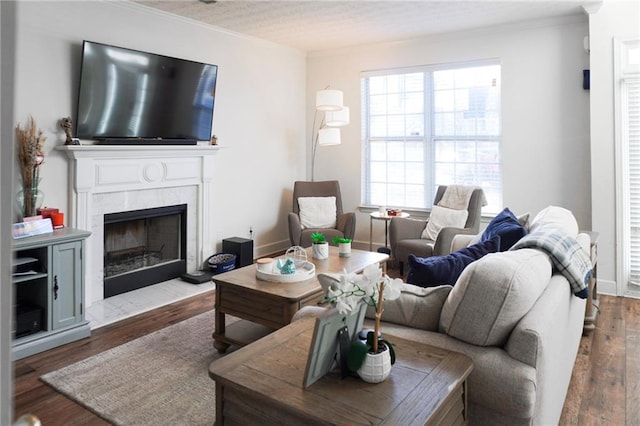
<point>323,25</point>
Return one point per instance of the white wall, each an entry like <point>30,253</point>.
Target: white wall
<point>545,110</point>
<point>7,43</point>
<point>259,113</point>
<point>616,18</point>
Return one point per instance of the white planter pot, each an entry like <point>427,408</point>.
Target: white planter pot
<point>320,251</point>
<point>344,249</point>
<point>376,367</point>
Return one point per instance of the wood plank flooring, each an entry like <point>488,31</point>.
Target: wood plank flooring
<point>52,408</point>
<point>604,390</point>
<point>605,385</point>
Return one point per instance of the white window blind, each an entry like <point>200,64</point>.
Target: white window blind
<point>627,135</point>
<point>431,126</point>
<point>631,132</point>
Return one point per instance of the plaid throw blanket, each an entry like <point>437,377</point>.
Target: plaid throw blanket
<point>566,254</point>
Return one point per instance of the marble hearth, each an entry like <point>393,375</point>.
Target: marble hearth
<point>108,179</point>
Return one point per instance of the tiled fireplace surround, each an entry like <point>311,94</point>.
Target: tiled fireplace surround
<point>108,179</point>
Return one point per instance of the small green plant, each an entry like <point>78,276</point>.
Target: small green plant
<point>318,238</point>
<point>341,240</point>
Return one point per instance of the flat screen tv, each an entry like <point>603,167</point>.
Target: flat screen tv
<point>132,97</point>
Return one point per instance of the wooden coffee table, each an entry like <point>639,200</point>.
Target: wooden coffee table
<point>262,384</point>
<point>269,306</point>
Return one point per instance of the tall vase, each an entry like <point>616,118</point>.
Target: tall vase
<point>28,201</point>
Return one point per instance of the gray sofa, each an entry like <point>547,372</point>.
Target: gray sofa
<point>513,314</point>
<point>522,336</point>
<point>517,320</point>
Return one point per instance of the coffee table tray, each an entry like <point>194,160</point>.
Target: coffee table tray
<point>303,272</point>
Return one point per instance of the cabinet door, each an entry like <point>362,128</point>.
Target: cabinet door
<point>66,284</point>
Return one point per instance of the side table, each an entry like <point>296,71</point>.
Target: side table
<point>377,216</point>
<point>262,384</point>
<point>593,303</point>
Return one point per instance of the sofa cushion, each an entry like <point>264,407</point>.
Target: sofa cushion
<point>317,212</point>
<point>417,307</point>
<point>499,382</point>
<point>442,217</point>
<point>555,217</point>
<point>438,270</point>
<point>507,226</point>
<point>493,294</point>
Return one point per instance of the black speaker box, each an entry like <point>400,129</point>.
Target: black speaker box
<point>241,247</point>
<point>28,320</point>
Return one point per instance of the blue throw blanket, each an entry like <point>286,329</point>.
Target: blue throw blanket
<point>566,254</point>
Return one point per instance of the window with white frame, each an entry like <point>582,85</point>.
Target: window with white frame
<point>431,126</point>
<point>627,72</point>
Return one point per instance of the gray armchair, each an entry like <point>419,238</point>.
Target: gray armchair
<point>405,233</point>
<point>345,222</point>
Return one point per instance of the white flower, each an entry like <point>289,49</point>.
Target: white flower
<point>392,288</point>
<point>372,273</point>
<point>347,292</point>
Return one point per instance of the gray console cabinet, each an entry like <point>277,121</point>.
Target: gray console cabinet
<point>48,285</point>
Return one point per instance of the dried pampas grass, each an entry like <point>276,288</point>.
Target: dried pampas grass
<point>30,141</point>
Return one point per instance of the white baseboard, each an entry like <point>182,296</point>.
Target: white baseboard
<point>607,287</point>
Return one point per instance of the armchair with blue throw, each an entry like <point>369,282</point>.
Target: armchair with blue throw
<point>456,210</point>
<point>317,207</point>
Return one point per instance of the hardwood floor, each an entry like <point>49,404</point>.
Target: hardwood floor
<point>604,389</point>
<point>605,386</point>
<point>53,409</point>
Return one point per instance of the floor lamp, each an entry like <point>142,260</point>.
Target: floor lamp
<point>329,105</point>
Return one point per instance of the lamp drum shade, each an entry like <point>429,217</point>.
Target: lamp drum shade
<point>329,100</point>
<point>329,136</point>
<point>337,118</point>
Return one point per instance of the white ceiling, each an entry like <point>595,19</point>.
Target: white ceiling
<point>320,25</point>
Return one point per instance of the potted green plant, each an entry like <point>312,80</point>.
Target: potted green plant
<point>320,246</point>
<point>370,359</point>
<point>344,246</point>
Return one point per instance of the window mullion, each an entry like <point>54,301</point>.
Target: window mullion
<point>631,132</point>
<point>429,151</point>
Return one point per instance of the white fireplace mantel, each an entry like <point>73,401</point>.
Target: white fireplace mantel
<point>110,178</point>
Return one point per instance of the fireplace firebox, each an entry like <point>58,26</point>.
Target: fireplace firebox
<point>143,247</point>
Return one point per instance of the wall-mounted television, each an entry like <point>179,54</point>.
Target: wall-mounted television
<point>132,97</point>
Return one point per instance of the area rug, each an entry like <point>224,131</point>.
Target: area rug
<point>160,379</point>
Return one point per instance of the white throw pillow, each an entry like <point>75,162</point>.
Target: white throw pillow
<point>317,212</point>
<point>556,217</point>
<point>442,217</point>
